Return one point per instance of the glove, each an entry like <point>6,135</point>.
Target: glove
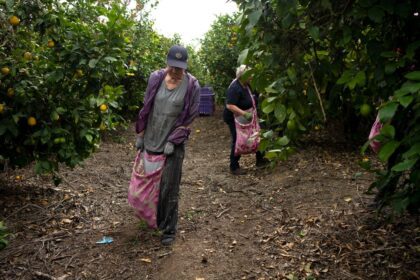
<point>247,116</point>
<point>169,149</point>
<point>140,143</point>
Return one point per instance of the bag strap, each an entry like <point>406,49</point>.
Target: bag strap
<point>249,92</point>
<point>252,98</point>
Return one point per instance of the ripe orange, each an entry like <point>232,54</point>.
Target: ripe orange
<point>51,44</point>
<point>10,92</point>
<point>27,55</point>
<point>365,110</point>
<point>31,121</point>
<point>5,70</point>
<point>14,20</point>
<point>103,107</point>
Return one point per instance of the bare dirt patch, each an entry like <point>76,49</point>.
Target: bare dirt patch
<point>308,218</point>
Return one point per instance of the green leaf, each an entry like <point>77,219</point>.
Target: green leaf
<point>360,78</point>
<point>271,154</point>
<point>376,14</point>
<point>387,150</point>
<point>271,99</point>
<point>89,138</point>
<point>388,54</point>
<point>92,63</point>
<point>268,134</point>
<point>283,141</point>
<point>388,130</point>
<point>109,59</point>
<point>291,72</point>
<point>43,166</point>
<point>400,204</point>
<point>253,18</point>
<point>411,49</point>
<point>390,68</point>
<point>345,77</point>
<point>287,20</point>
<point>405,165</point>
<point>406,100</point>
<point>387,112</point>
<point>268,109</point>
<point>314,32</point>
<point>411,87</point>
<point>243,56</point>
<point>413,76</point>
<point>280,112</point>
<point>414,150</point>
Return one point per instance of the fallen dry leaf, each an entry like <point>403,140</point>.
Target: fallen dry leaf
<point>66,221</point>
<point>347,199</point>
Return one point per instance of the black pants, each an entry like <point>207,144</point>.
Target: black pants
<point>234,160</point>
<point>167,212</point>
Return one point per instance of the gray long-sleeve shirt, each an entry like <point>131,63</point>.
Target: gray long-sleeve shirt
<point>166,109</point>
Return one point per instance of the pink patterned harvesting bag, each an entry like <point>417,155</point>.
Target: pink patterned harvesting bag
<point>374,131</point>
<point>143,192</point>
<point>247,134</point>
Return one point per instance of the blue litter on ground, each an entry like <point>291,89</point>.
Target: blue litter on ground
<point>105,240</point>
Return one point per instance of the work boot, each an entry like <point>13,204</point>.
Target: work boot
<point>238,171</point>
<point>167,240</point>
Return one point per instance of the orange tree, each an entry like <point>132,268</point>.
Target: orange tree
<point>315,61</point>
<point>218,55</point>
<point>65,69</point>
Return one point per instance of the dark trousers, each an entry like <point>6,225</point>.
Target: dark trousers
<point>167,212</point>
<point>234,160</point>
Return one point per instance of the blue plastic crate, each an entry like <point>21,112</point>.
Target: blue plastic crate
<point>207,105</point>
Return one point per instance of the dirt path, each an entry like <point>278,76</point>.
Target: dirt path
<point>305,219</point>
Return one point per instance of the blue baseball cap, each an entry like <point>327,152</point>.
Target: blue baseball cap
<point>177,57</point>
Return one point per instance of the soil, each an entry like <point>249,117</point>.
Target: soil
<point>306,218</point>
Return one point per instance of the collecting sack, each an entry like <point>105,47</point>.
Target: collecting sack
<point>374,131</point>
<point>143,192</point>
<point>247,133</point>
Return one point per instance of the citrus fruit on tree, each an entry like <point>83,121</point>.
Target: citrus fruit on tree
<point>79,73</point>
<point>103,107</point>
<point>291,125</point>
<point>50,44</point>
<point>31,121</point>
<point>59,140</point>
<point>1,108</point>
<point>5,70</point>
<point>365,109</point>
<point>14,20</point>
<point>102,126</point>
<point>55,116</point>
<point>27,55</point>
<point>10,92</point>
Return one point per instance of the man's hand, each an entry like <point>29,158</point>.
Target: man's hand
<point>169,149</point>
<point>140,143</point>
